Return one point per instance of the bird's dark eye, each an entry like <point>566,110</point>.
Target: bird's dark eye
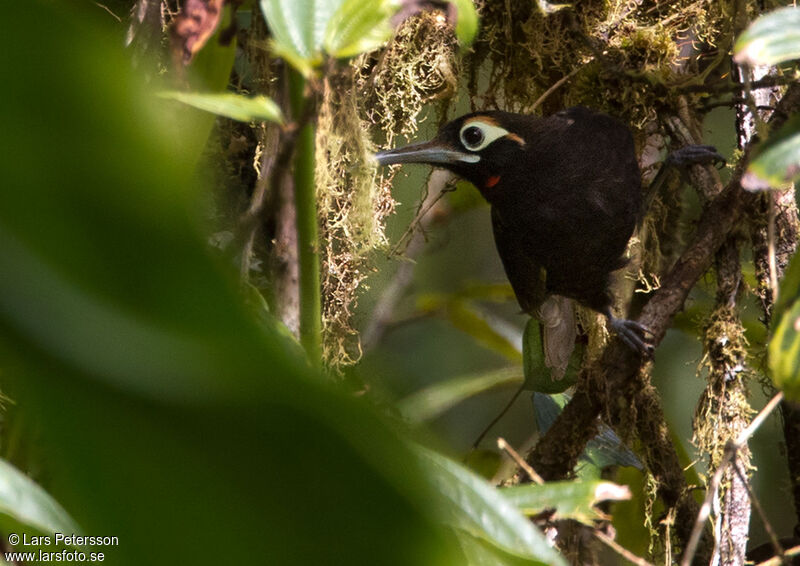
<point>472,137</point>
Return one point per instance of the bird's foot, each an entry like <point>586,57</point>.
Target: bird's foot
<point>694,155</point>
<point>633,334</point>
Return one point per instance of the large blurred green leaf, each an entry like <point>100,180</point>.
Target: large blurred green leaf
<point>27,508</point>
<point>784,353</point>
<point>777,164</point>
<point>468,503</point>
<point>167,413</point>
<point>568,499</point>
<point>481,552</point>
<point>434,400</point>
<point>771,39</point>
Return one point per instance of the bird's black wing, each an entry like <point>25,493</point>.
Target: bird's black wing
<point>526,276</point>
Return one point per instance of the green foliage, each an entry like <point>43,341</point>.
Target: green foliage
<point>462,314</point>
<point>231,105</point>
<point>155,392</point>
<point>305,29</point>
<point>25,508</point>
<point>470,505</point>
<point>539,377</point>
<point>358,27</point>
<point>771,39</point>
<point>777,164</point>
<point>467,25</point>
<point>784,352</point>
<point>432,401</point>
<point>567,499</point>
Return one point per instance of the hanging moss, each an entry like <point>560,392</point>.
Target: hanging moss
<point>351,210</point>
<point>353,203</point>
<point>418,66</point>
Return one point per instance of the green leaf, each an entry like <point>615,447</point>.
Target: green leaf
<point>491,292</point>
<point>470,504</point>
<point>359,26</point>
<point>569,499</point>
<point>463,315</point>
<point>466,319</point>
<point>480,552</point>
<point>467,22</point>
<point>539,377</point>
<point>231,105</point>
<point>771,39</point>
<point>784,353</point>
<point>303,66</point>
<point>432,401</point>
<point>299,26</point>
<point>153,389</point>
<point>789,290</point>
<point>28,505</point>
<point>302,29</point>
<point>777,164</point>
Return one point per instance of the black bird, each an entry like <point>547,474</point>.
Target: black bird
<point>565,194</point>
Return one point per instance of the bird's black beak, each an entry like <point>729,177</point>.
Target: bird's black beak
<point>432,152</point>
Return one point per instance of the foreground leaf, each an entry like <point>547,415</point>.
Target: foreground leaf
<point>778,162</point>
<point>568,499</point>
<point>468,503</point>
<point>771,39</point>
<point>784,353</point>
<point>481,552</point>
<point>231,105</point>
<point>789,290</point>
<point>125,342</point>
<point>24,504</point>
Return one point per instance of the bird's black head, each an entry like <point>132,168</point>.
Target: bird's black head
<point>482,147</point>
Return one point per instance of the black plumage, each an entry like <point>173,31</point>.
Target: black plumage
<point>565,194</point>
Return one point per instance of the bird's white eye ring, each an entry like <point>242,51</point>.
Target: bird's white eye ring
<point>476,135</point>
